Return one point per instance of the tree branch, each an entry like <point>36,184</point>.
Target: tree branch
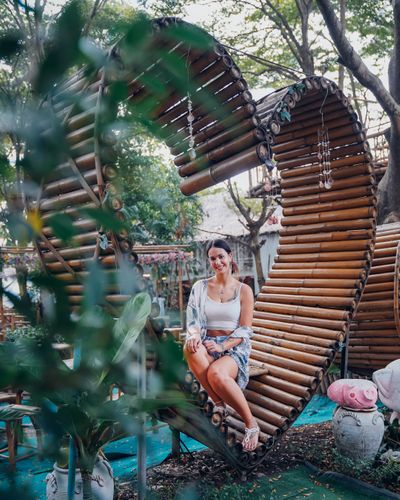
<point>236,200</point>
<point>287,29</point>
<point>351,59</point>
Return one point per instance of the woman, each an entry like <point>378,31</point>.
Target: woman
<point>217,347</point>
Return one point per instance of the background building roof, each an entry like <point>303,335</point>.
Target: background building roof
<point>220,219</point>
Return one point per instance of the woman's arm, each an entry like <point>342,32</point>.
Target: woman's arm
<point>246,306</point>
<point>193,328</point>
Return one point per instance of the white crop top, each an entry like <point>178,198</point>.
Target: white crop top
<point>223,315</point>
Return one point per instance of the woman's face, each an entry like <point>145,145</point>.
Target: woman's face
<point>220,260</point>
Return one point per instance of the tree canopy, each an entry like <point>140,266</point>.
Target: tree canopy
<point>39,44</point>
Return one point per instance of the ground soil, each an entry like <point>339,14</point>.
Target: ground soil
<point>314,443</point>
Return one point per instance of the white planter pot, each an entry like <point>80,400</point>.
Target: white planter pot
<point>358,433</point>
<point>102,482</point>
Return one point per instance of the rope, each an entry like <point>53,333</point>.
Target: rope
<point>263,61</point>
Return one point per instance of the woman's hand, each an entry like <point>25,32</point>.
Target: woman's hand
<point>212,346</point>
<point>193,342</point>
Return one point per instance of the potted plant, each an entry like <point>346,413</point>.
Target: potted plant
<point>75,401</point>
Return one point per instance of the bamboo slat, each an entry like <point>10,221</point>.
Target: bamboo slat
<point>378,311</point>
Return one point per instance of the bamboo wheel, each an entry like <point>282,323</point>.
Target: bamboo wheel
<point>305,308</point>
<point>375,332</point>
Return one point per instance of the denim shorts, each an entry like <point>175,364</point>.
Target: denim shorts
<point>239,353</point>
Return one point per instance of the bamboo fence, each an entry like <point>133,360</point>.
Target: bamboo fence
<point>304,310</point>
<point>375,331</point>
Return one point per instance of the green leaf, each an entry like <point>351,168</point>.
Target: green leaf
<point>64,51</point>
<point>139,32</point>
<point>62,226</point>
<point>13,412</point>
<point>94,285</point>
<point>131,322</point>
<point>104,217</point>
<point>192,35</point>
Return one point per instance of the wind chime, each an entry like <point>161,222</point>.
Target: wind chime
<point>190,115</point>
<point>324,154</point>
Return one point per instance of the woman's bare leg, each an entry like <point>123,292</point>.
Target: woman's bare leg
<point>221,376</point>
<point>199,363</point>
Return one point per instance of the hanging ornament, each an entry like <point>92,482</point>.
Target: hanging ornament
<point>324,153</point>
<point>324,159</point>
<point>190,119</point>
<point>190,115</point>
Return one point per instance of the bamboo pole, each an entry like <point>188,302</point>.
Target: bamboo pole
<point>277,409</point>
<point>298,322</point>
<point>361,180</point>
<point>338,225</point>
<point>305,156</point>
<point>355,235</point>
<point>269,337</point>
<point>307,364</point>
<point>300,310</point>
<point>297,333</point>
<point>322,256</point>
<point>296,402</point>
<point>224,151</point>
<point>226,168</point>
<point>340,264</point>
<point>306,300</point>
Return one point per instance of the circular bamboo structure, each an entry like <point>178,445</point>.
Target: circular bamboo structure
<point>304,310</point>
<point>375,332</point>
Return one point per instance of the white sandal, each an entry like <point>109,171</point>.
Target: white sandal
<point>250,435</point>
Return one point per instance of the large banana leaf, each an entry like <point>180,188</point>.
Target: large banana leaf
<point>129,325</point>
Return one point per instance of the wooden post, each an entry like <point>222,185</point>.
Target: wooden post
<point>180,295</point>
<point>176,443</point>
<point>142,431</point>
<point>72,450</point>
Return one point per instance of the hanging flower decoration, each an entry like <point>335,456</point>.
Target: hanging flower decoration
<point>164,258</point>
<point>273,220</point>
<point>30,260</point>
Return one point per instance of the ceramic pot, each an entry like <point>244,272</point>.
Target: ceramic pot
<point>358,433</point>
<point>102,482</point>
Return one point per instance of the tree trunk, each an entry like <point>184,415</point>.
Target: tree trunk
<point>343,22</point>
<point>256,250</point>
<point>22,278</point>
<point>259,269</point>
<point>389,190</point>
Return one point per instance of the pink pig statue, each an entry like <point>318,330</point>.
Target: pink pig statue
<point>388,381</point>
<point>351,393</point>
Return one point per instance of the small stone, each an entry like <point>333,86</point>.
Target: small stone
<point>192,154</point>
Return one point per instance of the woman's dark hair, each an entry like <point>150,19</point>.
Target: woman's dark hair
<point>218,243</point>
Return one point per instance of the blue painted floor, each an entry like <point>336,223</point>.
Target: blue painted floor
<point>123,453</point>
